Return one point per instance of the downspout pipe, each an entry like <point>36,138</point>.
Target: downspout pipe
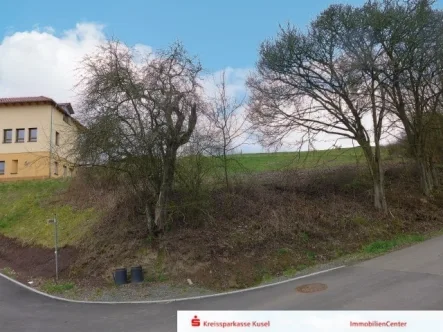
<point>50,144</point>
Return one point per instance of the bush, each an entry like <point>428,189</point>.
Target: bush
<point>399,149</point>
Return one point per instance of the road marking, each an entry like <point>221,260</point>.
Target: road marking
<point>172,300</point>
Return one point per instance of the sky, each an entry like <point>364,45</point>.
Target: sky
<point>42,42</point>
<point>222,33</point>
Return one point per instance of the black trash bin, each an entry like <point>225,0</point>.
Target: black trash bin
<point>121,276</point>
<point>137,274</point>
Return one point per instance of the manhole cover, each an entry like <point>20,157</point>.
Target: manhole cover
<point>311,288</point>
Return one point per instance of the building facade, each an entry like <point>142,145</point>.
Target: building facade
<point>37,137</point>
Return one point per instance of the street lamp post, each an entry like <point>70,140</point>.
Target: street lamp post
<point>54,221</point>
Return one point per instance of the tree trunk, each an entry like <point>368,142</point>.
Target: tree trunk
<point>225,166</point>
<point>376,170</point>
<point>149,219</point>
<point>379,181</point>
<point>379,192</point>
<point>434,173</point>
<point>426,177</point>
<point>161,211</point>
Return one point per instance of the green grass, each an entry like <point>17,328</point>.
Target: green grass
<point>370,251</point>
<point>311,255</point>
<point>8,272</point>
<point>25,207</point>
<point>157,273</point>
<point>379,247</point>
<point>292,271</point>
<point>260,162</point>
<point>56,288</point>
<point>283,251</point>
<point>267,277</point>
<point>263,162</point>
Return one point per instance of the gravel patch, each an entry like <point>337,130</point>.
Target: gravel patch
<point>149,291</point>
<point>145,291</point>
<point>152,291</point>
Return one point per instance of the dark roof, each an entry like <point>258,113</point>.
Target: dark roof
<point>63,107</point>
<point>67,107</point>
<point>24,100</point>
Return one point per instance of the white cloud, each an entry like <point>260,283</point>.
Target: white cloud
<point>235,81</point>
<point>42,62</point>
<point>38,62</point>
<point>142,52</point>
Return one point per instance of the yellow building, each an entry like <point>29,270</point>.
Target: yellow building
<point>37,136</point>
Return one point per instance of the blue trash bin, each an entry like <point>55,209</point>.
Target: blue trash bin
<point>136,274</point>
<point>120,276</point>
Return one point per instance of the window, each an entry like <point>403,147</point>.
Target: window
<point>65,171</point>
<point>56,168</point>
<point>71,171</point>
<point>20,136</point>
<point>2,167</point>
<point>57,138</point>
<point>14,167</point>
<point>7,136</point>
<point>32,134</point>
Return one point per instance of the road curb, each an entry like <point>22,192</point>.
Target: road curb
<point>170,300</point>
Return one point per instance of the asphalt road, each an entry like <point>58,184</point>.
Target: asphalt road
<point>409,279</point>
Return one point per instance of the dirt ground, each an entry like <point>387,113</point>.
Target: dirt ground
<point>30,262</point>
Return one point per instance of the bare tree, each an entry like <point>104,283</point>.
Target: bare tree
<point>227,125</point>
<point>312,82</point>
<point>138,115</point>
<point>409,33</point>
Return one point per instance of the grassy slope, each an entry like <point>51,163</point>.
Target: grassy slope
<point>289,160</point>
<point>25,207</point>
<point>262,162</point>
<point>246,239</point>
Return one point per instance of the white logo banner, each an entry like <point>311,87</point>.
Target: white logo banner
<point>307,321</point>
